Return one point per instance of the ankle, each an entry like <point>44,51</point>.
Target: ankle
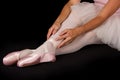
<point>53,42</point>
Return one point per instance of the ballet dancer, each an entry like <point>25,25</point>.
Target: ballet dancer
<point>79,24</point>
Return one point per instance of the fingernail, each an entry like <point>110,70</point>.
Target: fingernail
<point>56,39</point>
<point>59,46</point>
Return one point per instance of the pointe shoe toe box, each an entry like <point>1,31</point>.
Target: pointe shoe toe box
<point>10,59</point>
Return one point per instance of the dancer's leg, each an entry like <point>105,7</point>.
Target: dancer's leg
<point>78,43</point>
<point>46,52</point>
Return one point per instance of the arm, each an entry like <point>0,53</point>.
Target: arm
<point>62,16</point>
<point>66,11</point>
<point>108,10</point>
<point>70,34</point>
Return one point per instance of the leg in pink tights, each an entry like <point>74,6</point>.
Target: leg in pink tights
<point>47,51</point>
<point>38,56</point>
<point>78,43</point>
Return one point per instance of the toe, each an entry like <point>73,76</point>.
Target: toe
<point>11,58</point>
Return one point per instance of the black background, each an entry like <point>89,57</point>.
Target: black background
<point>24,24</point>
<point>28,21</point>
<point>24,20</point>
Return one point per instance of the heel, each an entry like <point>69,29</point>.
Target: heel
<point>48,58</point>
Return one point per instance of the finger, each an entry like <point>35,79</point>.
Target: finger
<point>63,32</point>
<point>63,42</point>
<point>62,37</point>
<point>49,33</point>
<point>55,30</point>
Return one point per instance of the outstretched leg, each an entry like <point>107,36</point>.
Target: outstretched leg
<point>46,52</point>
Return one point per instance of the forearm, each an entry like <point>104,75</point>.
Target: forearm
<point>104,14</point>
<point>64,13</point>
<point>92,24</point>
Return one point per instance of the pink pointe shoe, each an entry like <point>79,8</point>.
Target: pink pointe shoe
<point>33,59</point>
<point>13,57</point>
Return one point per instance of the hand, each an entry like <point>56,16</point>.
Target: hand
<point>67,36</point>
<point>53,29</point>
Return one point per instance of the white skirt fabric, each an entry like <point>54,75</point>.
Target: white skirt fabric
<point>109,31</point>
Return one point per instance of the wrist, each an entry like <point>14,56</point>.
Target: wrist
<point>57,23</point>
<point>80,30</point>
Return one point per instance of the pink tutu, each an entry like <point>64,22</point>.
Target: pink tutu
<point>109,31</point>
